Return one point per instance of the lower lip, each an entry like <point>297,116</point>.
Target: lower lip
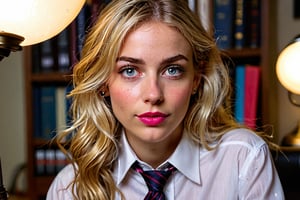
<point>152,121</point>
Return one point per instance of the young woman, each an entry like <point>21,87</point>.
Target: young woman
<point>151,90</point>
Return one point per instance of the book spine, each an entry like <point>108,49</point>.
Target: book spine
<point>223,21</point>
<point>239,93</point>
<point>82,23</point>
<point>48,121</point>
<point>51,110</point>
<point>61,117</point>
<point>73,45</point>
<point>68,111</point>
<point>240,24</point>
<point>50,161</point>
<point>47,59</point>
<point>254,23</point>
<point>35,57</point>
<point>252,81</point>
<point>36,96</point>
<point>60,160</point>
<point>40,162</point>
<point>63,56</point>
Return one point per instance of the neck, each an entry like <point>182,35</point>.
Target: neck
<point>155,154</point>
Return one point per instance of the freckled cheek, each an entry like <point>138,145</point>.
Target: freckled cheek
<point>122,98</point>
<point>180,97</point>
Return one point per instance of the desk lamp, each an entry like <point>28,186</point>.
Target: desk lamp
<point>288,73</point>
<point>28,22</point>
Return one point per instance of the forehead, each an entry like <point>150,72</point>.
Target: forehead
<point>155,35</point>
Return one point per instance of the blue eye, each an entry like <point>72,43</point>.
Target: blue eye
<point>129,72</point>
<point>173,71</point>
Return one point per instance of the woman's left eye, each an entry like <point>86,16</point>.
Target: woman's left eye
<point>173,71</point>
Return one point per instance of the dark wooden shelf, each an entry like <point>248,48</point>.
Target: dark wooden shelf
<point>42,184</point>
<point>243,53</point>
<point>51,77</point>
<point>39,143</point>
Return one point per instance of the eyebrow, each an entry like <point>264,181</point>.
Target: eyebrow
<point>164,62</point>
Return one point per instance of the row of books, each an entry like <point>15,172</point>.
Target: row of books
<point>237,23</point>
<point>50,110</point>
<point>49,161</point>
<point>247,92</point>
<point>61,52</point>
<point>53,54</point>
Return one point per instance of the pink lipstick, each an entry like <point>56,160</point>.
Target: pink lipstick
<point>152,118</point>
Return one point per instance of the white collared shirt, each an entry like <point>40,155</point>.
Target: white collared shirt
<point>240,168</point>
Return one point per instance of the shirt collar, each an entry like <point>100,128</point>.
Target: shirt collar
<point>185,158</point>
<point>125,159</point>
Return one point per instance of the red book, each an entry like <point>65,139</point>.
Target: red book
<point>252,81</point>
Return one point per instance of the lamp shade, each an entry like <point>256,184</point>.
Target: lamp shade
<point>288,67</point>
<point>37,20</point>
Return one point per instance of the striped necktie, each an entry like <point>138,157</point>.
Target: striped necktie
<point>155,180</point>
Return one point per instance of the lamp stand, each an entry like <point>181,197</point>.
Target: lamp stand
<point>292,139</point>
<point>3,193</point>
<point>9,42</point>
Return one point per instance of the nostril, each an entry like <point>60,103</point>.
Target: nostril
<point>154,97</point>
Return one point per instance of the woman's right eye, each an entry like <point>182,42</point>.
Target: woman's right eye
<point>129,72</point>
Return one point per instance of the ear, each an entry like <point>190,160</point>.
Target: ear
<point>104,91</point>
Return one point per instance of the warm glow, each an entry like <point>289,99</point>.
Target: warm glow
<point>37,20</point>
<point>288,68</point>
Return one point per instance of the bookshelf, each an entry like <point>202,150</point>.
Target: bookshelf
<point>39,183</point>
<point>259,55</point>
<point>47,80</point>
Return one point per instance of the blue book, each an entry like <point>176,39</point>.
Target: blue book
<point>82,24</point>
<point>240,24</point>
<point>68,104</point>
<point>48,113</point>
<point>63,55</point>
<point>223,22</point>
<point>47,61</point>
<point>69,117</point>
<point>36,96</point>
<point>239,94</point>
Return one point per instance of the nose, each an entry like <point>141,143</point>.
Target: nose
<point>153,91</point>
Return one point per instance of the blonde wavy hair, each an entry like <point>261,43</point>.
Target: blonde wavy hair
<point>95,131</point>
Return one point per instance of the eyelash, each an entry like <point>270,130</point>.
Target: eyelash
<point>129,69</point>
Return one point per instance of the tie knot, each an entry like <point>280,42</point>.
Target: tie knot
<point>155,179</point>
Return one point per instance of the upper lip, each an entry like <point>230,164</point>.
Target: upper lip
<point>153,114</point>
